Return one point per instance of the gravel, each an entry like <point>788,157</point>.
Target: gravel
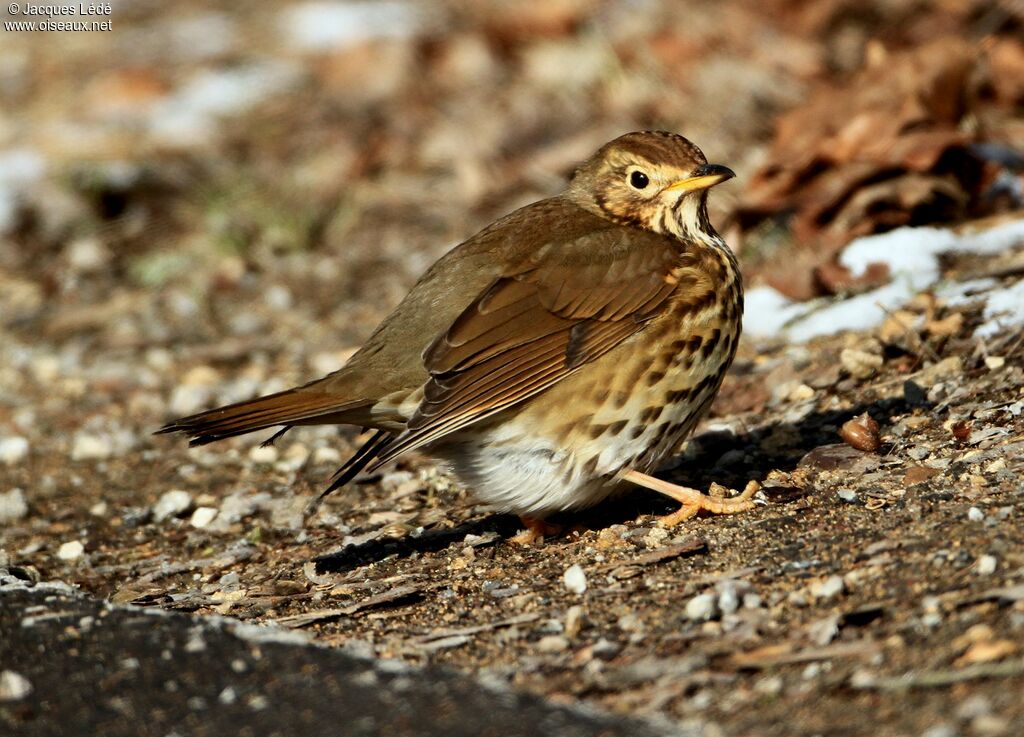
<point>71,550</point>
<point>173,503</point>
<point>13,505</point>
<point>575,579</point>
<point>13,449</point>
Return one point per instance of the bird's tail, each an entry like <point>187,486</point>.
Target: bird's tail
<point>291,407</point>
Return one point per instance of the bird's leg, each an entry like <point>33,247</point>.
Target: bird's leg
<point>536,530</point>
<point>692,500</point>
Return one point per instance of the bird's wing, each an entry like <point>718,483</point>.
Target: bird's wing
<point>540,322</point>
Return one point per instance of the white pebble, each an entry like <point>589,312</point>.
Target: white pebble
<point>769,685</point>
<point>13,449</point>
<point>326,456</point>
<point>13,505</point>
<point>202,517</point>
<point>860,364</point>
<point>71,551</point>
<point>828,589</point>
<point>702,608</point>
<point>575,579</point>
<point>552,644</point>
<point>987,565</point>
<point>263,454</point>
<point>728,598</point>
<point>172,504</point>
<point>975,515</point>
<point>13,686</point>
<point>187,399</point>
<point>91,448</point>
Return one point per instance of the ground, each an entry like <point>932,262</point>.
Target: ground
<point>195,253</point>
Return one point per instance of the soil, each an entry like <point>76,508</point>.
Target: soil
<point>878,587</point>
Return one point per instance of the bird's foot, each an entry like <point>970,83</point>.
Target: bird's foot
<point>536,530</point>
<point>719,500</point>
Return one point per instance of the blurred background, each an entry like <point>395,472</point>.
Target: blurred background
<point>207,201</point>
<point>211,200</point>
<point>215,200</point>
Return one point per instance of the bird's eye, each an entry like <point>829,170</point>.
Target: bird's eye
<point>639,180</point>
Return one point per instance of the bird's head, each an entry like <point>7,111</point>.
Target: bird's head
<point>652,180</point>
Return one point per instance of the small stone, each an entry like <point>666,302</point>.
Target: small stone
<point>573,621</point>
<point>13,449</point>
<point>973,707</point>
<point>828,589</point>
<point>13,686</point>
<point>823,631</point>
<point>575,579</point>
<point>202,517</point>
<point>702,608</point>
<point>975,515</point>
<point>172,503</point>
<point>728,598</point>
<point>860,364</point>
<point>987,565</point>
<point>71,550</point>
<point>605,649</point>
<point>656,537</point>
<point>940,730</point>
<point>99,509</point>
<point>751,601</point>
<point>326,456</point>
<point>228,696</point>
<point>990,725</point>
<point>91,448</point>
<point>552,644</point>
<point>769,685</point>
<point>187,399</point>
<point>263,454</point>
<point>994,363</point>
<point>848,496</point>
<point>13,505</point>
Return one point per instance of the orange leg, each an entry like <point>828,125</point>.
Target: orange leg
<point>536,531</point>
<point>692,500</point>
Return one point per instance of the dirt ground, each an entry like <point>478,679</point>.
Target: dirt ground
<point>161,254</point>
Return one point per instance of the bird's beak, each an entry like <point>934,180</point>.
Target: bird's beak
<point>706,176</point>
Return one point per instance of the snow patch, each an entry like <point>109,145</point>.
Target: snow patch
<point>329,26</point>
<point>19,168</point>
<point>188,115</point>
<point>912,255</point>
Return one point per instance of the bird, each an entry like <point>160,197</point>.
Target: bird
<point>555,358</point>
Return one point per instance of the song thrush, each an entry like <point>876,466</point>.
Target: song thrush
<point>562,351</point>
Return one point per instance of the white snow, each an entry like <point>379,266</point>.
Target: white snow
<point>912,255</point>
<point>327,26</point>
<point>19,168</point>
<point>188,115</point>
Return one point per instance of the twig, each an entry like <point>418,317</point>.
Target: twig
<point>938,678</point>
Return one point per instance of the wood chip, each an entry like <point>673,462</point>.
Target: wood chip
<point>689,546</point>
<point>773,655</point>
<point>476,629</point>
<point>397,595</point>
<point>937,678</point>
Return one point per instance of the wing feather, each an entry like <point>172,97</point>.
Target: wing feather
<point>534,326</point>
